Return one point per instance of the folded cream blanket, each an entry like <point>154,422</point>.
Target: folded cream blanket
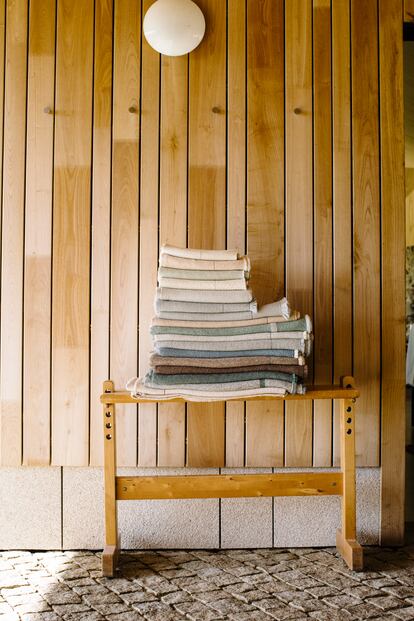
<point>293,344</point>
<point>139,390</point>
<point>206,285</point>
<point>201,295</point>
<point>198,253</point>
<point>228,338</point>
<point>184,263</point>
<point>169,272</point>
<point>206,316</point>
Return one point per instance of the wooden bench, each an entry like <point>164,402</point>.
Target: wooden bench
<point>316,483</point>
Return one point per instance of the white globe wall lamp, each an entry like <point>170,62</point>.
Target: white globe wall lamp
<point>174,27</point>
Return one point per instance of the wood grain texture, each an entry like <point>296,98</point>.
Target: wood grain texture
<point>342,201</point>
<point>148,239</point>
<point>11,337</point>
<point>101,219</point>
<point>366,214</point>
<point>299,203</point>
<point>173,221</point>
<point>408,10</point>
<point>207,196</point>
<point>236,186</point>
<point>393,261</point>
<point>265,198</point>
<point>38,234</point>
<point>124,227</point>
<point>322,206</point>
<point>71,230</point>
<point>229,486</point>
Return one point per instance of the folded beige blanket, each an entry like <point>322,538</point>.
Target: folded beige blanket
<point>199,253</point>
<point>225,363</point>
<point>184,263</point>
<point>202,295</point>
<point>206,285</point>
<point>170,272</point>
<point>176,323</point>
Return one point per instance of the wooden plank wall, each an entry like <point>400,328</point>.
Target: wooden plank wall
<point>269,137</point>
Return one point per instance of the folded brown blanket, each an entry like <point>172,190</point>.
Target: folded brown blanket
<point>157,360</point>
<point>300,370</point>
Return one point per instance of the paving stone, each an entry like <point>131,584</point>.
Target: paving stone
<point>176,597</point>
<point>41,616</point>
<point>332,615</point>
<point>404,613</point>
<point>197,611</point>
<point>205,585</point>
<point>385,603</point>
<point>67,609</point>
<point>400,591</point>
<point>137,596</point>
<point>341,601</point>
<point>253,615</point>
<point>230,605</point>
<point>125,616</point>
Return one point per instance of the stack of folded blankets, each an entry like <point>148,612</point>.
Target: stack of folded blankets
<point>211,342</point>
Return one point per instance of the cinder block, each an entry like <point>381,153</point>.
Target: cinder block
<point>142,523</point>
<point>30,508</point>
<point>246,522</point>
<point>313,521</point>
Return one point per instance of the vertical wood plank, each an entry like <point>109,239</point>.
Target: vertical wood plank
<point>393,283</point>
<point>173,222</point>
<point>366,200</point>
<point>148,241</point>
<point>101,215</point>
<point>265,198</point>
<point>207,196</point>
<point>38,233</point>
<point>322,196</point>
<point>408,10</point>
<point>71,230</point>
<point>124,237</point>
<point>236,185</point>
<point>342,201</point>
<point>12,235</point>
<point>299,207</point>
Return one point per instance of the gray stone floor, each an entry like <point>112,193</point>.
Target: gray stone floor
<point>242,585</point>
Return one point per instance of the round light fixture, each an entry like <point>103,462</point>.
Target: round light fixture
<point>174,27</point>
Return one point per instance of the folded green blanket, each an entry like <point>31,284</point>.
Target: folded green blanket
<point>228,386</point>
<point>301,325</point>
<point>203,308</point>
<point>215,378</point>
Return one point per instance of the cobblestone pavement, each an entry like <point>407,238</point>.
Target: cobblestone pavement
<point>205,585</point>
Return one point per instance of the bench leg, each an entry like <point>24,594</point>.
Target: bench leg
<point>110,553</point>
<point>346,542</point>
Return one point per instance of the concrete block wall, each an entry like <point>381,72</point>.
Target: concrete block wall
<point>62,508</point>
